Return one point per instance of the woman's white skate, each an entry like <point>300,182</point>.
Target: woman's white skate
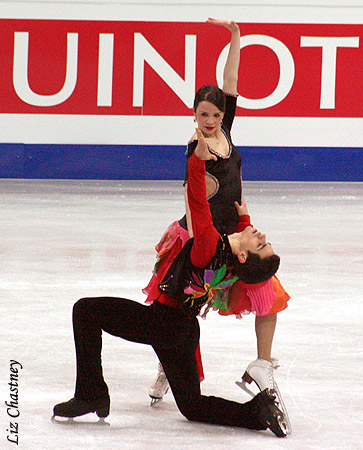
<point>260,372</point>
<point>160,387</point>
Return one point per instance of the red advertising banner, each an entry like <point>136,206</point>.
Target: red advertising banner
<point>154,68</point>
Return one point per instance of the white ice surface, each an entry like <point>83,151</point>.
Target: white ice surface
<point>62,240</point>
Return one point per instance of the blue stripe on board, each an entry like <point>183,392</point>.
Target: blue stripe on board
<point>162,162</point>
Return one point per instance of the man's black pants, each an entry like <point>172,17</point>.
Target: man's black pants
<point>174,338</point>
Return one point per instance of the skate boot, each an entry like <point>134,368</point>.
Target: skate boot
<point>77,407</point>
<point>269,414</point>
<point>260,372</point>
<point>160,386</point>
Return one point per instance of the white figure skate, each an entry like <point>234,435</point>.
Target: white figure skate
<point>160,387</point>
<point>260,372</point>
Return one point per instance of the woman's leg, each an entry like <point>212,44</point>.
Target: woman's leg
<point>261,370</point>
<point>265,329</point>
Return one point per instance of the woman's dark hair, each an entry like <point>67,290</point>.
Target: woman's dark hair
<point>212,94</point>
<point>255,270</point>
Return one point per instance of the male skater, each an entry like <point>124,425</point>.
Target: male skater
<point>206,263</point>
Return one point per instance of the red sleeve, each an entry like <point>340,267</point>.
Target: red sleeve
<point>244,221</point>
<point>205,235</point>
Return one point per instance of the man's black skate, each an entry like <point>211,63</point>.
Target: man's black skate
<point>76,407</point>
<point>269,413</point>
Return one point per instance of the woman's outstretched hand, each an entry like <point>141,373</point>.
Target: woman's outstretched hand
<point>231,25</point>
<point>201,150</point>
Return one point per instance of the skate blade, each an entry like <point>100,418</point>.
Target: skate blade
<point>155,400</point>
<point>281,404</point>
<point>281,431</point>
<point>286,421</point>
<point>283,426</point>
<point>242,385</point>
<point>71,421</point>
<point>283,409</point>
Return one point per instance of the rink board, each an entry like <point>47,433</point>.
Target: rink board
<point>107,91</point>
<point>158,162</point>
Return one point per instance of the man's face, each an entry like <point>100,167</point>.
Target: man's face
<point>255,242</point>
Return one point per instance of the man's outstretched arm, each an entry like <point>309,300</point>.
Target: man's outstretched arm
<point>205,235</point>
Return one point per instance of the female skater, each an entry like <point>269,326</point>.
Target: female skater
<point>169,325</point>
<point>214,112</point>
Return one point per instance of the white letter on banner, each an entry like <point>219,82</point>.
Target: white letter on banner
<point>20,72</point>
<point>287,71</point>
<point>329,63</point>
<point>105,70</point>
<point>145,52</point>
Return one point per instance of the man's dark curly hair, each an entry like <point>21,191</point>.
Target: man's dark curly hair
<point>255,270</point>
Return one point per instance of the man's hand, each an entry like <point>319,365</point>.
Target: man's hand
<point>201,150</point>
<point>241,208</point>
